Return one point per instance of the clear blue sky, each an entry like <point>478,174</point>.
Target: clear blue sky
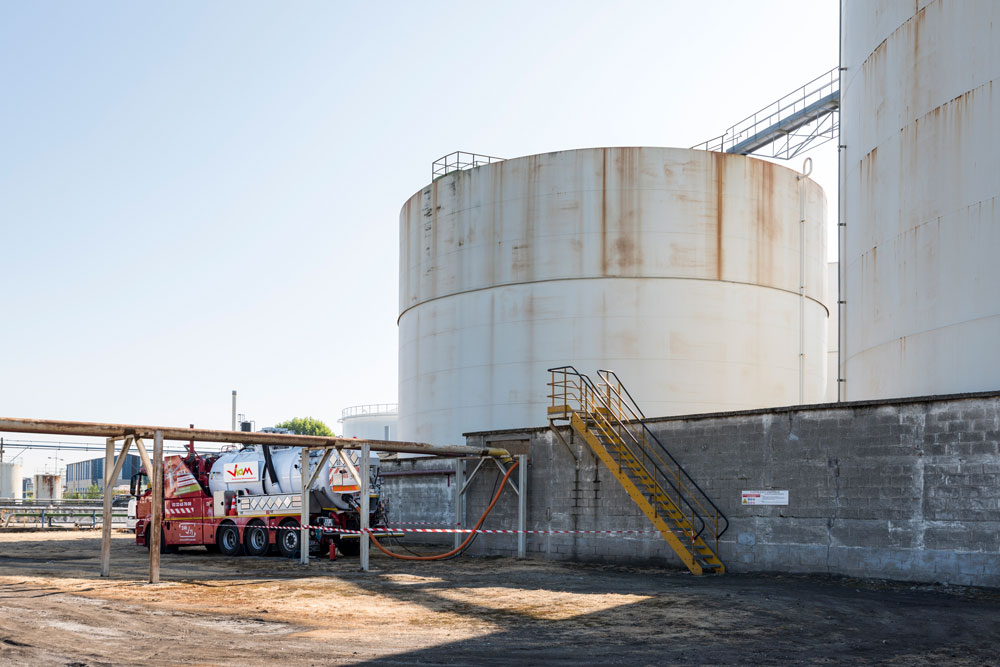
<point>197,197</point>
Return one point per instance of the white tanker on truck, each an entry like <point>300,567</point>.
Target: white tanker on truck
<point>250,501</point>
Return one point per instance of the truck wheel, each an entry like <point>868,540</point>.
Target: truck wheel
<point>288,538</point>
<point>164,549</point>
<point>256,540</point>
<point>228,539</point>
<point>349,548</point>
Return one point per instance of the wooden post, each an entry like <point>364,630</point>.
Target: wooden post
<point>304,515</point>
<point>112,469</point>
<point>156,527</point>
<point>109,458</point>
<point>147,464</point>
<point>365,501</point>
<point>522,505</point>
<point>459,499</point>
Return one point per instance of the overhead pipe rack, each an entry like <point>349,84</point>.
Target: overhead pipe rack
<point>133,434</point>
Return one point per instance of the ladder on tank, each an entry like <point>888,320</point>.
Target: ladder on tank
<point>614,428</point>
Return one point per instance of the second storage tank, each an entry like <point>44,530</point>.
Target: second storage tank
<point>921,184</point>
<point>678,269</point>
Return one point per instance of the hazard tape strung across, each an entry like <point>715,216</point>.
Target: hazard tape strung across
<point>485,531</point>
<point>482,531</point>
<point>425,523</point>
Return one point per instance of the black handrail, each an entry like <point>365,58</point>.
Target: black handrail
<point>605,374</point>
<point>680,494</point>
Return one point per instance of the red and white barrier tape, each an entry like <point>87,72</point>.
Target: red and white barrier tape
<point>425,523</point>
<point>485,531</point>
<point>482,531</point>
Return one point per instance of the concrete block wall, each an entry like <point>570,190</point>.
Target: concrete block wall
<point>419,493</point>
<point>906,489</point>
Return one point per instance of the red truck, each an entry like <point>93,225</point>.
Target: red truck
<point>249,501</point>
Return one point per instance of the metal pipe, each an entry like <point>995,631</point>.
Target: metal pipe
<point>407,473</point>
<point>106,430</point>
<point>365,504</point>
<point>806,170</point>
<point>233,427</point>
<point>841,225</point>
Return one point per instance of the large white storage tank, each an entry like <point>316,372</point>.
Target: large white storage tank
<point>10,480</point>
<point>374,421</point>
<point>678,269</point>
<point>921,124</point>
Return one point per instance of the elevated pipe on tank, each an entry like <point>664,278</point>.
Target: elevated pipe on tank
<point>840,211</point>
<point>806,170</point>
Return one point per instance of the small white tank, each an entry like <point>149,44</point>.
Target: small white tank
<point>370,422</point>
<point>10,480</point>
<point>48,487</point>
<point>245,471</point>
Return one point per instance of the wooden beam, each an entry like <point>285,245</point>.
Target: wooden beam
<point>350,467</point>
<point>144,455</point>
<point>322,461</point>
<point>111,472</point>
<point>109,457</point>
<point>118,465</point>
<point>156,527</point>
<point>304,514</point>
<point>365,501</point>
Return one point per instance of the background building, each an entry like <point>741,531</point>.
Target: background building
<point>80,476</point>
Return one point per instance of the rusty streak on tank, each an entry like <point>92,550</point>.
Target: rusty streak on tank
<point>677,268</point>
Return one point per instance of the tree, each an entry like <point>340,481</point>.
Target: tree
<point>306,426</point>
<point>93,491</point>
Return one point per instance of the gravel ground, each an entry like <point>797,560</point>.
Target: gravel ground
<point>55,609</point>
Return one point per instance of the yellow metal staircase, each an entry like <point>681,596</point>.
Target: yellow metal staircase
<point>614,428</point>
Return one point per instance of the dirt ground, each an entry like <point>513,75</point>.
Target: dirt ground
<point>55,609</point>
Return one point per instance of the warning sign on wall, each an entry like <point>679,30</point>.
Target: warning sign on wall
<point>765,497</point>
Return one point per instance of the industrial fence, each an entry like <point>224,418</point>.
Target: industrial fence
<point>22,513</point>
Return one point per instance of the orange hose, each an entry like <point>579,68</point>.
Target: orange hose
<point>467,540</point>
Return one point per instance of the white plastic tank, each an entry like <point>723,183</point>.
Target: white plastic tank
<point>375,421</point>
<point>48,487</point>
<point>245,471</point>
<point>678,269</point>
<point>10,480</point>
<point>920,120</point>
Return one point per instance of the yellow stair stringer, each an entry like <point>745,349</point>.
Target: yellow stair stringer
<point>633,491</point>
<point>660,499</point>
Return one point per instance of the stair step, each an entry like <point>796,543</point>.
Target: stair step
<point>630,468</point>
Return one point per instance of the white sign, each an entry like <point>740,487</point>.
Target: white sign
<point>240,472</point>
<point>765,497</point>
